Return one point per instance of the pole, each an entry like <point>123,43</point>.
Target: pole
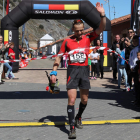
<point>3,8</point>
<point>114,11</point>
<point>109,10</point>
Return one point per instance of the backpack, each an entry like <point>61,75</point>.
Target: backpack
<point>122,61</point>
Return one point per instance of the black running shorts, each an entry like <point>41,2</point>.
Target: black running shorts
<point>78,76</point>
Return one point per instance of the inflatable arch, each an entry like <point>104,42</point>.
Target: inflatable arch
<point>49,9</point>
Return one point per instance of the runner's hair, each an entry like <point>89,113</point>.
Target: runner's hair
<point>77,22</point>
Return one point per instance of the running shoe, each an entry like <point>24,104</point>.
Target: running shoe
<point>72,133</point>
<point>91,78</point>
<point>94,78</point>
<point>78,123</point>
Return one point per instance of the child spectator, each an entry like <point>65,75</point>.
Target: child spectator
<point>94,57</point>
<point>121,67</point>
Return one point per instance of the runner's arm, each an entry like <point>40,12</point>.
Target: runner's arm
<point>102,25</point>
<point>58,58</point>
<point>56,63</point>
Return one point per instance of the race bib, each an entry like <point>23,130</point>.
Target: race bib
<point>79,57</point>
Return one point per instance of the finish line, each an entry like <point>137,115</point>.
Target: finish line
<point>39,124</point>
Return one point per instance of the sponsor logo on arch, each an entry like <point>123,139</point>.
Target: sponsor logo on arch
<point>70,9</point>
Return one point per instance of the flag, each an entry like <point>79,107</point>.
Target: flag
<point>7,6</point>
<point>23,64</point>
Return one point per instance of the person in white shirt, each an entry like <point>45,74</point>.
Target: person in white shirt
<point>94,57</point>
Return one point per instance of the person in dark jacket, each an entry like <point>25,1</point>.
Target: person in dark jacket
<point>137,81</point>
<point>101,60</point>
<point>128,45</point>
<point>113,47</point>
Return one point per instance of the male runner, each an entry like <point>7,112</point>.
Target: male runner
<point>78,70</point>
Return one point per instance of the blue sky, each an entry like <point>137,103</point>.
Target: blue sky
<point>122,7</point>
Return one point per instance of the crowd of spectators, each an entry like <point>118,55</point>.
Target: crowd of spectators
<point>6,53</point>
<point>24,53</point>
<point>128,65</point>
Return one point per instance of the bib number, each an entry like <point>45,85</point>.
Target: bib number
<point>79,57</point>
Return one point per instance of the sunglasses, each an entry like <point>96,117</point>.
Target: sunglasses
<point>130,32</point>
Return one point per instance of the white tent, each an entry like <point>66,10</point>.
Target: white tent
<point>47,39</point>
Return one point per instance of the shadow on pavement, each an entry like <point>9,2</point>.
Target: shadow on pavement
<point>56,119</point>
<point>123,99</point>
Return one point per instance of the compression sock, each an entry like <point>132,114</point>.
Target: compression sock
<point>71,115</point>
<point>81,110</point>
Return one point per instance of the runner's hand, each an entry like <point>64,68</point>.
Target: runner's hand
<point>100,8</point>
<point>53,79</point>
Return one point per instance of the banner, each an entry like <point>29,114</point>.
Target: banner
<point>23,31</point>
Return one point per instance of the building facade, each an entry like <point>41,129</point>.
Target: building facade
<point>120,26</point>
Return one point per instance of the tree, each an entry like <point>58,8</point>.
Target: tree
<point>41,26</point>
